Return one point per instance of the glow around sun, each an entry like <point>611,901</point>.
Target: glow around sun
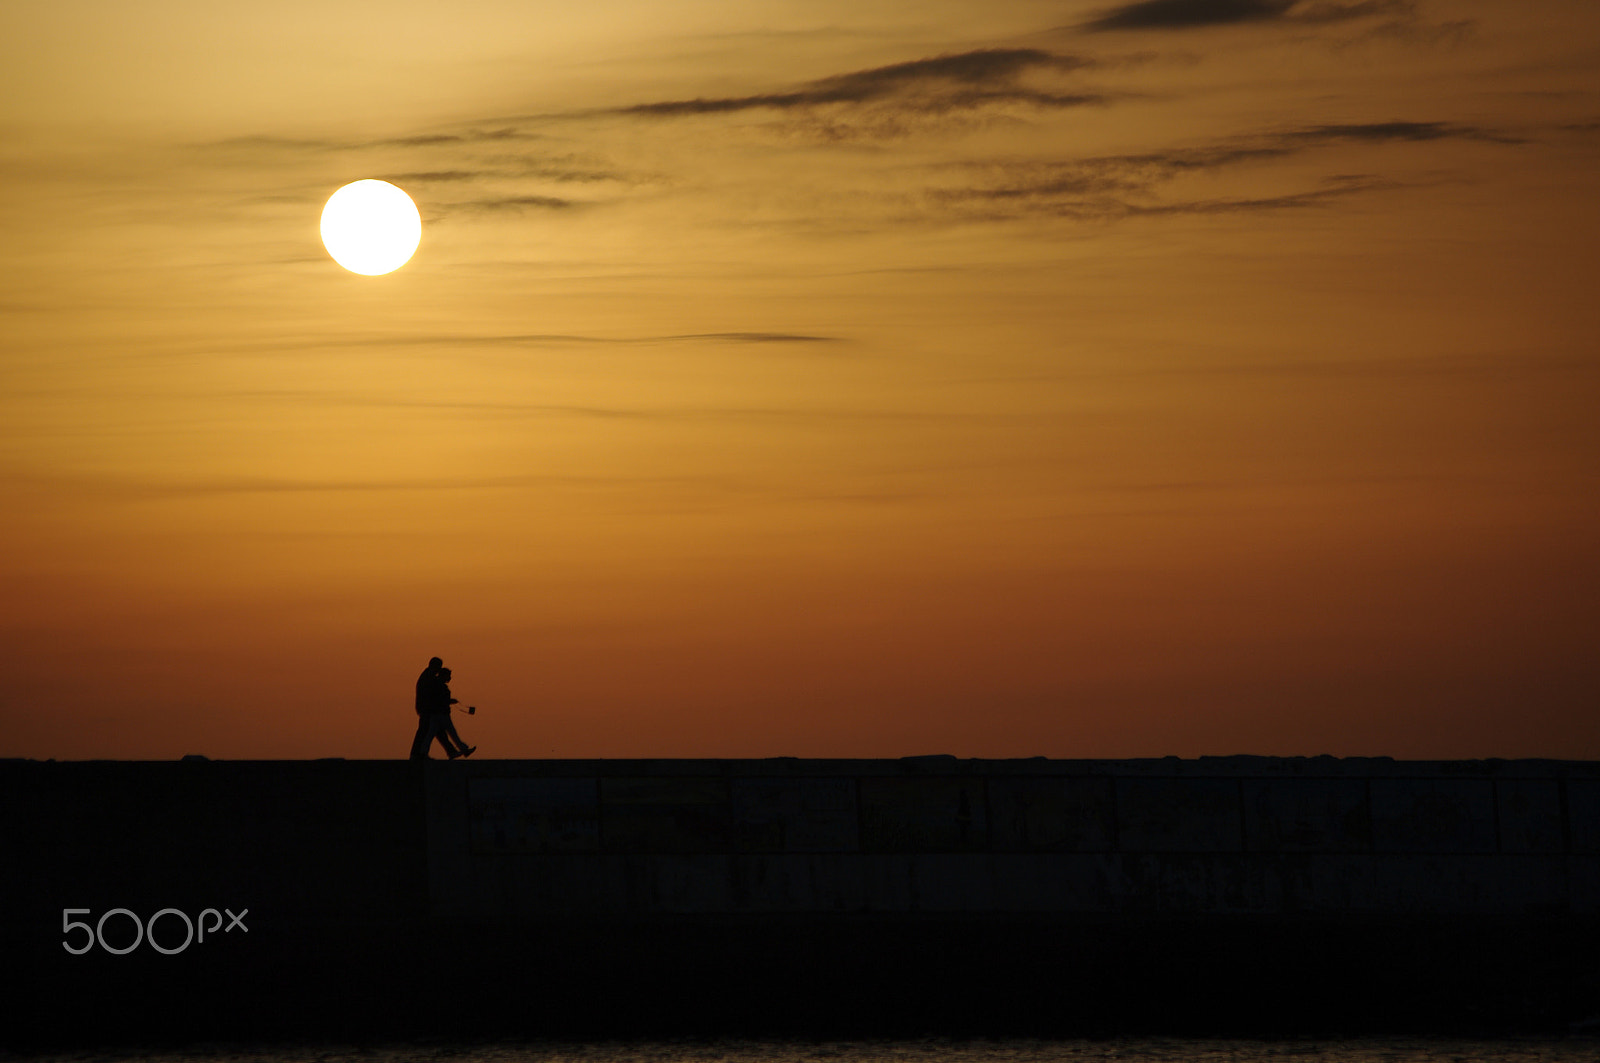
<point>371,227</point>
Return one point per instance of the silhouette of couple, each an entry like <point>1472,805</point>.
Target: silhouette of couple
<point>433,714</point>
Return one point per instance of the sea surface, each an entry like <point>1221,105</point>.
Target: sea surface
<point>1585,1049</point>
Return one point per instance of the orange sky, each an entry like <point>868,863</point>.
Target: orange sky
<point>820,379</point>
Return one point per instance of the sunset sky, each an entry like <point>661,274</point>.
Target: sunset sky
<point>822,379</point>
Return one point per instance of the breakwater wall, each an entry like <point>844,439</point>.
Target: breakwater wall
<point>1230,835</point>
<point>927,894</point>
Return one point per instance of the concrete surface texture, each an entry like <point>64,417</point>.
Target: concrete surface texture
<point>937,834</point>
<point>507,840</point>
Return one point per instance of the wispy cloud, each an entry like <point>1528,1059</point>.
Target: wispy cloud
<point>1076,205</point>
<point>1374,132</point>
<point>135,487</point>
<point>1181,14</point>
<point>516,203</point>
<point>563,339</point>
<point>754,337</point>
<point>1126,185</point>
<point>470,136</point>
<point>511,408</point>
<point>1188,14</point>
<point>938,85</point>
<point>482,168</point>
<point>472,172</point>
<point>432,176</point>
<point>1332,188</point>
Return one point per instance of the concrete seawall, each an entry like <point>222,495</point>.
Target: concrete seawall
<point>929,894</point>
<point>1230,835</point>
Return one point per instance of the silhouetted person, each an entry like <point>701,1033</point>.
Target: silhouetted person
<point>433,714</point>
<point>447,727</point>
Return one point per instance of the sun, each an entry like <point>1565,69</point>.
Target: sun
<point>371,227</point>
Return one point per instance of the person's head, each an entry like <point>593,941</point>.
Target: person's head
<point>444,673</point>
<point>435,663</point>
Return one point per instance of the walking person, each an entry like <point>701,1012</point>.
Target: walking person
<point>433,714</point>
<point>447,727</point>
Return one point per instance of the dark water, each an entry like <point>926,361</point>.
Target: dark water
<point>1113,1050</point>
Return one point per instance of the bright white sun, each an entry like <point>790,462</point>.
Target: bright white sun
<point>371,227</point>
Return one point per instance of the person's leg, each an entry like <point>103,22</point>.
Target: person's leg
<point>462,749</point>
<point>423,739</point>
<point>441,731</point>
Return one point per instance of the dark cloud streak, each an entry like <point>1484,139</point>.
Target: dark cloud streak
<point>516,203</point>
<point>433,176</point>
<point>1375,132</point>
<point>1110,207</point>
<point>1191,14</point>
<point>938,84</point>
<point>1182,14</point>
<point>567,339</point>
<point>754,337</point>
<point>1121,186</point>
<point>472,136</point>
<point>138,488</point>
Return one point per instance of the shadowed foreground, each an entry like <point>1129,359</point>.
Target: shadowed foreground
<point>837,898</point>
